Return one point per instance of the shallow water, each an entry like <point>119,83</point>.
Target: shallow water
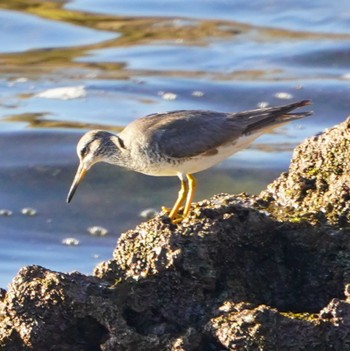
<point>122,60</point>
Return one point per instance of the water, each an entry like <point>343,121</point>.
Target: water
<point>123,60</point>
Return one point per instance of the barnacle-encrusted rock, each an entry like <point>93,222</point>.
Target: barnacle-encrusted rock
<point>317,186</point>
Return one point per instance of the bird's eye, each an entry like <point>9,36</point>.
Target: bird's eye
<point>84,151</point>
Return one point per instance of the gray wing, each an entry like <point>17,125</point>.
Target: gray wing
<point>190,133</point>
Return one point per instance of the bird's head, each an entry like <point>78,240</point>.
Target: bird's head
<point>94,146</point>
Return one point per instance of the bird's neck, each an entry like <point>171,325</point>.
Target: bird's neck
<point>112,151</point>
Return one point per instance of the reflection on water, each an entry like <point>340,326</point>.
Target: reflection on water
<point>135,58</point>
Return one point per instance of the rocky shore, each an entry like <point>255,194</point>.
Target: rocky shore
<point>267,272</point>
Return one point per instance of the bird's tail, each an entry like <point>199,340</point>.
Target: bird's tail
<point>272,117</point>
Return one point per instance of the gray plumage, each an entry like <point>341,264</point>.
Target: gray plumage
<point>188,133</point>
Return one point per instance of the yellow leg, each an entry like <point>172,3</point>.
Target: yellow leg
<point>180,199</point>
<point>190,193</point>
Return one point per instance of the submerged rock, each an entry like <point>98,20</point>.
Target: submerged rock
<point>269,272</point>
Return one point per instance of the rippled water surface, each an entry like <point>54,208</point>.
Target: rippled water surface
<point>67,67</point>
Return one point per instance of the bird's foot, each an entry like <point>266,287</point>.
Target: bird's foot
<point>165,210</point>
<point>178,218</point>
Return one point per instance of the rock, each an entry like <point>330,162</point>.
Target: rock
<point>316,187</point>
<point>241,273</point>
<point>45,310</point>
<point>247,327</point>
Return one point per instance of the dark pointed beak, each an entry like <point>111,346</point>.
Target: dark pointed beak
<point>79,176</point>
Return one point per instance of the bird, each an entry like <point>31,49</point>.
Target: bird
<point>180,143</point>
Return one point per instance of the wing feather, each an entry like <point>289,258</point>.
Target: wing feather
<point>197,133</point>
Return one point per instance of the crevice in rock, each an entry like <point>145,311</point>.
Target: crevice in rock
<point>92,332</point>
<point>150,322</point>
<point>209,343</point>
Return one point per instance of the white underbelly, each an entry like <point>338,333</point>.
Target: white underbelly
<point>201,162</point>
